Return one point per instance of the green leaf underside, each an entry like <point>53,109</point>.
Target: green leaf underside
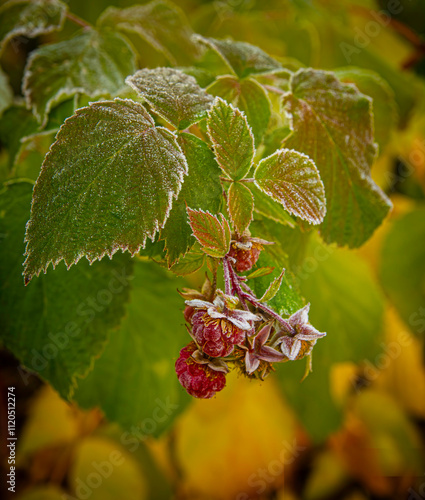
<point>30,18</point>
<point>402,269</point>
<point>267,207</point>
<point>107,183</point>
<point>291,178</point>
<point>135,374</point>
<point>232,138</point>
<point>332,124</point>
<point>160,23</point>
<point>212,234</point>
<point>94,63</point>
<point>60,322</point>
<point>242,58</point>
<point>201,190</point>
<point>241,206</point>
<point>172,94</point>
<point>6,93</point>
<point>248,96</point>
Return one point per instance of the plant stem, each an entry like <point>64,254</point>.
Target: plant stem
<point>77,20</point>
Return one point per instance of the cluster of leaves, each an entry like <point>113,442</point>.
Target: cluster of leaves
<point>280,150</point>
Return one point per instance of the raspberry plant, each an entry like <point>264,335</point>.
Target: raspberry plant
<point>222,161</point>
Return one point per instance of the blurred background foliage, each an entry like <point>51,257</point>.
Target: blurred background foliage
<point>355,428</point>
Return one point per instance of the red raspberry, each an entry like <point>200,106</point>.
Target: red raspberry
<point>216,336</point>
<point>245,259</point>
<point>199,380</point>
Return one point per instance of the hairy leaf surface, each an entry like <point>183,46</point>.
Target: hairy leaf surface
<point>248,96</point>
<point>93,62</point>
<point>240,205</point>
<point>107,183</point>
<point>232,138</point>
<point>291,178</point>
<point>212,233</point>
<point>172,94</point>
<point>332,124</point>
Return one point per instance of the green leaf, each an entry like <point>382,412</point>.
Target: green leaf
<point>30,18</point>
<point>273,288</point>
<point>160,23</point>
<point>232,138</point>
<point>384,106</point>
<point>242,58</point>
<point>93,62</point>
<point>241,206</point>
<point>134,379</point>
<point>107,183</point>
<point>172,94</point>
<point>346,302</point>
<point>6,93</point>
<point>402,269</point>
<point>201,190</point>
<point>190,263</point>
<point>292,179</point>
<point>332,124</point>
<point>58,324</point>
<point>213,234</point>
<point>15,124</point>
<point>266,206</point>
<point>248,96</point>
<point>288,298</point>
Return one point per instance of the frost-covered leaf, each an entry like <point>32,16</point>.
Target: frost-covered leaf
<point>94,63</point>
<point>291,178</point>
<point>212,233</point>
<point>242,58</point>
<point>107,183</point>
<point>273,288</point>
<point>369,83</point>
<point>30,18</point>
<point>148,343</point>
<point>261,271</point>
<point>201,189</point>
<point>232,138</point>
<point>402,268</point>
<point>6,93</point>
<point>241,206</point>
<point>61,321</point>
<point>266,206</point>
<point>160,23</point>
<point>172,94</point>
<point>332,124</point>
<point>248,96</point>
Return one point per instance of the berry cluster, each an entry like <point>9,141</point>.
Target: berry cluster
<point>235,328</point>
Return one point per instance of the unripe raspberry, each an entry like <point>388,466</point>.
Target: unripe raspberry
<point>215,336</point>
<point>199,380</point>
<point>245,259</point>
<point>188,313</point>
